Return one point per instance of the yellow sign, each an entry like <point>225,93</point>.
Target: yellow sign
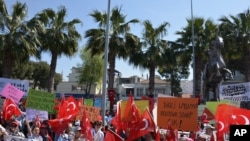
<point>141,105</point>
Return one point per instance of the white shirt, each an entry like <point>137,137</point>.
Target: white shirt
<point>97,135</point>
<point>33,138</point>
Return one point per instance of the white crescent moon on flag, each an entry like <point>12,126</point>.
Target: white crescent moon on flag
<point>11,105</point>
<point>69,117</point>
<point>222,126</point>
<point>71,103</point>
<point>146,124</point>
<point>246,119</point>
<point>60,121</point>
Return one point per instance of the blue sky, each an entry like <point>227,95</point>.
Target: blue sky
<point>174,12</point>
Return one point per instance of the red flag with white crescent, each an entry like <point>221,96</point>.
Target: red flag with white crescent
<point>10,109</point>
<point>227,114</point>
<point>69,106</point>
<point>144,126</point>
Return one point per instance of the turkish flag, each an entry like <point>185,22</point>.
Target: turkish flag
<point>112,136</point>
<point>10,109</point>
<point>69,106</point>
<point>144,126</point>
<point>240,116</point>
<point>86,127</point>
<point>128,109</point>
<point>207,114</point>
<point>131,112</point>
<point>60,124</point>
<point>116,120</point>
<point>227,114</point>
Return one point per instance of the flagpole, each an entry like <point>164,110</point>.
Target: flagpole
<point>194,86</point>
<point>104,81</point>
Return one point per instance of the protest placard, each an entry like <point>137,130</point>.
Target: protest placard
<point>32,113</point>
<point>15,138</point>
<point>41,100</point>
<point>235,92</point>
<point>98,102</point>
<point>92,113</point>
<point>88,102</point>
<point>179,113</point>
<point>22,85</point>
<point>12,92</point>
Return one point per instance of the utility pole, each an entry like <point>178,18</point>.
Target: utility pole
<point>104,81</point>
<point>192,17</point>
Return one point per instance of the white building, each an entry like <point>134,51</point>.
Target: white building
<point>123,86</point>
<point>73,86</point>
<point>139,87</point>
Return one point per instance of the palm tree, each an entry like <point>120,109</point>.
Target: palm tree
<point>153,50</point>
<point>176,66</point>
<point>205,31</point>
<point>121,42</point>
<point>235,31</point>
<point>18,38</point>
<point>60,38</point>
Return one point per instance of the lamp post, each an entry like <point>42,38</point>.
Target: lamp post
<point>194,86</point>
<point>104,81</point>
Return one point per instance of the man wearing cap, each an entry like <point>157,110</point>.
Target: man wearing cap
<point>14,129</point>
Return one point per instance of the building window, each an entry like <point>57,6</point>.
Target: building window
<point>160,91</point>
<point>139,91</point>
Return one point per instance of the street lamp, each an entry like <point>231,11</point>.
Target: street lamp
<point>194,86</point>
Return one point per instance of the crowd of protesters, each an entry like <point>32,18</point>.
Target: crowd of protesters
<point>37,130</point>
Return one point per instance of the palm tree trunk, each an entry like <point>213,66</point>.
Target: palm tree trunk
<point>111,72</point>
<point>198,70</point>
<point>52,72</point>
<point>8,62</point>
<point>151,80</point>
<point>247,65</point>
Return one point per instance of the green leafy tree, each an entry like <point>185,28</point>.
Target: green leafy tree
<point>58,79</point>
<point>23,70</point>
<point>175,68</point>
<point>60,38</point>
<point>91,71</point>
<point>40,74</point>
<point>18,37</point>
<point>204,31</point>
<point>235,31</point>
<point>121,42</point>
<point>153,51</point>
